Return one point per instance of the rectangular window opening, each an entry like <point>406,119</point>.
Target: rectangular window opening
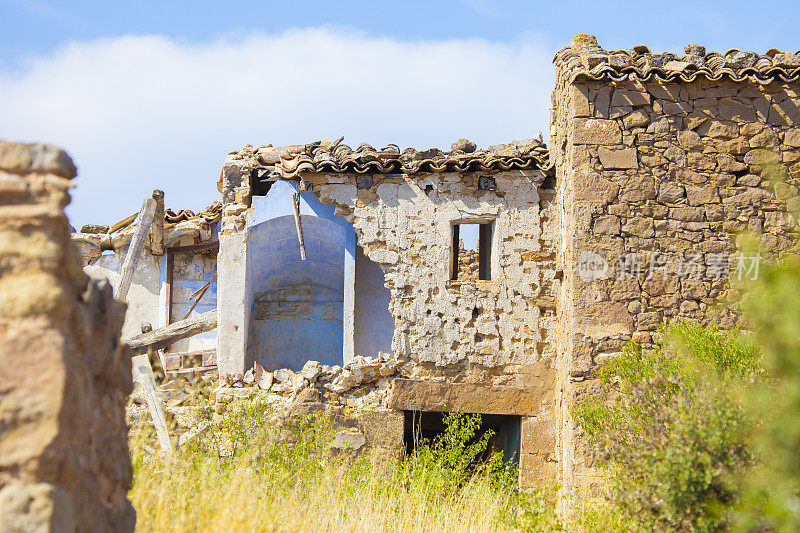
<point>428,426</point>
<point>472,251</point>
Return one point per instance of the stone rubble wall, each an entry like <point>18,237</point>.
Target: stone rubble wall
<point>655,181</point>
<point>64,462</point>
<point>497,332</point>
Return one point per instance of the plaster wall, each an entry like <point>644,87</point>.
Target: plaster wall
<point>143,296</point>
<point>300,310</point>
<point>374,324</point>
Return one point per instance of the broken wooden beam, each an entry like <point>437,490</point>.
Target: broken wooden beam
<point>143,222</point>
<point>157,230</point>
<point>296,206</point>
<point>160,338</point>
<point>143,376</point>
<point>196,296</point>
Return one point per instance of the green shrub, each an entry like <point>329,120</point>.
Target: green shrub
<point>668,430</point>
<point>772,495</point>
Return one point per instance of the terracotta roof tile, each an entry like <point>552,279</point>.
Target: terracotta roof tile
<point>336,157</point>
<point>586,60</point>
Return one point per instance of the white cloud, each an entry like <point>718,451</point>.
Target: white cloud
<point>145,112</point>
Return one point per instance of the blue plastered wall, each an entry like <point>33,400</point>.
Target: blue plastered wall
<point>300,310</point>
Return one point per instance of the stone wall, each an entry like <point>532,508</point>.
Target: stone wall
<point>493,333</point>
<point>64,463</point>
<point>655,178</point>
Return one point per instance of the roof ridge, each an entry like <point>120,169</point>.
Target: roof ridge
<point>584,58</point>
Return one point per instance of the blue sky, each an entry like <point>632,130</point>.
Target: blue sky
<point>154,94</point>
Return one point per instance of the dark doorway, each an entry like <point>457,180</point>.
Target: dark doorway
<point>427,425</point>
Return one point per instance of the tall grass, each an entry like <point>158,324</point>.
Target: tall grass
<point>251,475</point>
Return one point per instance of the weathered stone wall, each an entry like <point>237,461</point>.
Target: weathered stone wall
<point>64,463</point>
<point>654,181</point>
<point>495,332</point>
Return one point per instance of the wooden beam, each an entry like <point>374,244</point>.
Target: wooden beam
<point>143,376</point>
<point>157,231</point>
<point>143,222</point>
<point>195,247</point>
<point>296,206</point>
<point>196,296</point>
<point>160,338</point>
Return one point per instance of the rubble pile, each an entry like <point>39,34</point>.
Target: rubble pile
<point>360,382</point>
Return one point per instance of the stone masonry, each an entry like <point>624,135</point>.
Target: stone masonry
<point>64,463</point>
<point>660,161</point>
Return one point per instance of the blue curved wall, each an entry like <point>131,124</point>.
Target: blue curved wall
<point>298,308</point>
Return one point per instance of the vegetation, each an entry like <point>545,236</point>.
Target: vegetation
<point>252,474</point>
<point>772,489</point>
<point>669,430</point>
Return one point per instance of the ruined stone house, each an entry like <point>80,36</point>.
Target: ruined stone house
<point>627,222</point>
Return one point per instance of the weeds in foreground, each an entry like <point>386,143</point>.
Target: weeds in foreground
<point>252,474</point>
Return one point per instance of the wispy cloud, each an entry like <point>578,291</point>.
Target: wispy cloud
<point>145,112</point>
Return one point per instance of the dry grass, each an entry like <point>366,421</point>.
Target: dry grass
<point>297,486</point>
<point>183,495</point>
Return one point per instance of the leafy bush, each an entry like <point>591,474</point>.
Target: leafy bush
<point>668,429</point>
<point>772,495</point>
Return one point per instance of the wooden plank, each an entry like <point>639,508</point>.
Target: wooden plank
<point>160,338</point>
<point>454,256</point>
<point>298,225</point>
<point>196,296</point>
<point>411,395</point>
<point>143,376</point>
<point>123,223</point>
<point>484,250</point>
<point>157,231</point>
<point>194,432</point>
<point>195,247</point>
<point>143,222</point>
<point>169,283</point>
<point>178,360</point>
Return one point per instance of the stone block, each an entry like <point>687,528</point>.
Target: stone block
<point>687,214</point>
<point>670,193</point>
<point>702,195</point>
<point>410,395</point>
<point>680,109</point>
<point>623,97</point>
<point>639,188</point>
<point>649,321</point>
<point>734,110</point>
<point>606,225</point>
<point>595,188</point>
<point>718,129</point>
<point>689,140</point>
<point>792,138</point>
<point>596,131</point>
<point>617,158</point>
<point>636,119</point>
<point>19,158</point>
<point>640,227</point>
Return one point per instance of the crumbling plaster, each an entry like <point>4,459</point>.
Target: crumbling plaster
<point>406,230</point>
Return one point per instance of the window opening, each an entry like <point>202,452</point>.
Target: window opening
<point>472,251</point>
